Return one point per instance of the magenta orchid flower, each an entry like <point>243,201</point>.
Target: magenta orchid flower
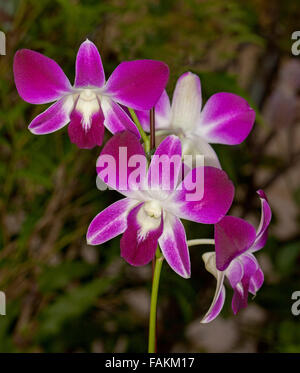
<point>150,214</point>
<point>91,102</point>
<point>235,241</point>
<point>225,118</point>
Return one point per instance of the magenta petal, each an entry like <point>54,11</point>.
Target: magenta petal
<point>138,84</point>
<point>216,307</point>
<point>240,296</point>
<point>116,119</point>
<point>138,245</point>
<point>219,297</point>
<point>165,165</point>
<point>174,246</point>
<point>250,264</point>
<point>113,163</point>
<point>39,79</point>
<point>89,68</point>
<point>52,119</point>
<point>256,281</point>
<point>204,196</point>
<point>239,300</point>
<point>235,273</point>
<point>162,114</point>
<point>226,119</point>
<point>110,222</point>
<point>233,236</point>
<point>86,138</point>
<point>144,119</point>
<point>266,215</point>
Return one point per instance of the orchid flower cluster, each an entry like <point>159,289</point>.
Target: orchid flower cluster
<point>156,197</point>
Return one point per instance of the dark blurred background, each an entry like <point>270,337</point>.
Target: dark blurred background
<point>65,296</point>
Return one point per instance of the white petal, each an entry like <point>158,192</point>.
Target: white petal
<point>196,145</point>
<point>186,103</point>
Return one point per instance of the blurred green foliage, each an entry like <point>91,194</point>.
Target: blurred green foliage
<point>63,295</point>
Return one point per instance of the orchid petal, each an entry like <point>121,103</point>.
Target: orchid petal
<point>89,68</point>
<point>174,246</point>
<point>138,84</point>
<point>187,101</point>
<point>262,231</point>
<point>86,137</point>
<point>197,146</point>
<point>205,201</point>
<point>139,241</point>
<point>226,119</point>
<point>219,297</point>
<point>239,299</point>
<point>209,259</point>
<point>235,273</point>
<point>119,150</point>
<point>233,236</point>
<point>39,79</point>
<point>250,265</point>
<point>53,118</point>
<point>216,307</point>
<point>165,166</point>
<point>110,222</point>
<point>116,119</point>
<point>240,296</point>
<point>162,114</point>
<point>256,281</point>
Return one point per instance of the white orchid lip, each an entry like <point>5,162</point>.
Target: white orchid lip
<point>149,217</point>
<point>87,103</point>
<point>153,209</point>
<point>88,95</point>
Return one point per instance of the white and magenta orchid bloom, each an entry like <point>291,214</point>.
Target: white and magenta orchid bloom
<point>91,102</point>
<point>235,242</point>
<point>226,118</point>
<point>151,212</point>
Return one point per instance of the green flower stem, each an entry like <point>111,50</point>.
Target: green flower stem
<point>140,128</point>
<point>201,241</point>
<point>154,292</point>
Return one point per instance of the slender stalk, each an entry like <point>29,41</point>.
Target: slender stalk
<point>156,262</point>
<point>141,131</point>
<point>153,307</point>
<point>152,128</point>
<point>152,147</point>
<point>201,241</point>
